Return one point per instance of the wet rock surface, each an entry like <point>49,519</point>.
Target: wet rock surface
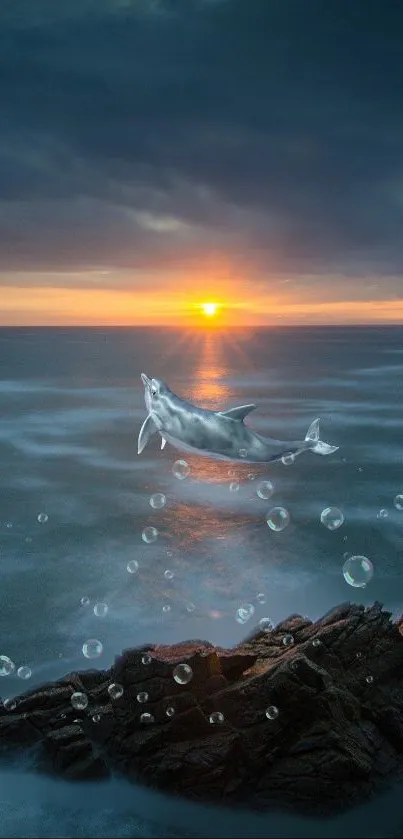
<point>337,737</point>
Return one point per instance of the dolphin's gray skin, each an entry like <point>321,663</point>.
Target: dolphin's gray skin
<point>221,435</point>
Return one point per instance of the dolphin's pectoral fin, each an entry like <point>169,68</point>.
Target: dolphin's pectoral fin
<point>238,413</point>
<point>146,431</point>
<point>163,441</point>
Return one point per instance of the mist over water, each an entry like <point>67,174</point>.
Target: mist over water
<point>72,405</point>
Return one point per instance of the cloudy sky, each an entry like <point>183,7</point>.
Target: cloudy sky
<point>158,153</point>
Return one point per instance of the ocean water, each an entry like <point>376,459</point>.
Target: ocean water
<point>71,407</point>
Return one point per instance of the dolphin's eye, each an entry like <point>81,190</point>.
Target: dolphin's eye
<point>153,391</point>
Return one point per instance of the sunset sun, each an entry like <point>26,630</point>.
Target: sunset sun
<point>210,309</point>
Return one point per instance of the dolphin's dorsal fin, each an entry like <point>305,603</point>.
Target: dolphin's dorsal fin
<point>146,431</point>
<point>238,413</point>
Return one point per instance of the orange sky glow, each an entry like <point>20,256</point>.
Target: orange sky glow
<point>62,306</point>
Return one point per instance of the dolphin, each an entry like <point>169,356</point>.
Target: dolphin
<point>221,435</point>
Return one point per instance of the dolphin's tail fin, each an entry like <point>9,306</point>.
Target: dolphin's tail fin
<point>316,445</point>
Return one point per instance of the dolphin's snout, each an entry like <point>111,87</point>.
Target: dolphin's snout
<point>146,381</point>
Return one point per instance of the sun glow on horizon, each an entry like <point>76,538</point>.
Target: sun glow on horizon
<point>210,309</point>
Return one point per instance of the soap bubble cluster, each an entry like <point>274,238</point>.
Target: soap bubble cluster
<point>7,666</point>
<point>278,518</point>
<point>272,712</point>
<point>266,625</point>
<point>115,691</point>
<point>146,659</point>
<point>288,640</point>
<point>182,674</point>
<point>332,518</point>
<point>181,469</point>
<point>158,501</point>
<point>100,610</point>
<point>24,672</point>
<point>244,613</point>
<point>92,648</point>
<point>216,718</point>
<point>149,535</point>
<point>79,700</point>
<point>132,566</point>
<point>265,490</point>
<point>358,571</point>
<point>398,501</point>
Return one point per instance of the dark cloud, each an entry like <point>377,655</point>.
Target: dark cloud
<point>140,133</point>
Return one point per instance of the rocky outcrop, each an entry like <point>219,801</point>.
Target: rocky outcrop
<point>306,715</point>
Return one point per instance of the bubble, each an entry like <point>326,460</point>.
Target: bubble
<point>358,571</point>
<point>146,659</point>
<point>181,469</point>
<point>359,654</point>
<point>158,501</point>
<point>216,718</point>
<point>170,553</point>
<point>316,642</point>
<point>10,704</point>
<point>234,486</point>
<point>96,718</point>
<point>231,473</point>
<point>272,712</point>
<point>251,476</point>
<point>182,674</point>
<point>7,666</point>
<point>265,490</point>
<point>244,613</point>
<point>266,625</point>
<point>278,518</point>
<point>142,696</point>
<point>166,608</point>
<point>383,514</point>
<point>190,607</point>
<point>85,601</point>
<point>170,711</point>
<point>132,566</point>
<point>288,459</point>
<point>92,648</point>
<point>261,598</point>
<point>9,525</point>
<point>79,700</point>
<point>243,452</point>
<point>100,610</point>
<point>149,535</point>
<point>168,574</point>
<point>369,679</point>
<point>332,518</point>
<point>115,691</point>
<point>146,718</point>
<point>42,518</point>
<point>398,502</point>
<point>24,672</point>
<point>287,640</point>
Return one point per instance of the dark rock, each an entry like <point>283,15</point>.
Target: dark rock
<point>337,736</point>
